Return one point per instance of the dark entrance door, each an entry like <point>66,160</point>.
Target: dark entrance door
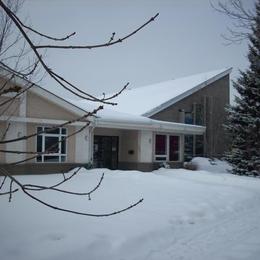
<point>106,152</point>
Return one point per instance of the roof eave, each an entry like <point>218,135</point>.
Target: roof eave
<point>154,125</point>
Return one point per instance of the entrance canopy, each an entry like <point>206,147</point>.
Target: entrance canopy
<point>117,120</point>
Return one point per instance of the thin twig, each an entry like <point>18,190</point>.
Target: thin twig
<point>6,131</point>
<point>3,182</point>
<point>10,190</point>
<point>110,43</point>
<point>43,188</point>
<point>63,181</point>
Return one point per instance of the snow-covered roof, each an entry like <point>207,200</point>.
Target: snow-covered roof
<point>136,105</point>
<point>151,99</point>
<point>109,118</point>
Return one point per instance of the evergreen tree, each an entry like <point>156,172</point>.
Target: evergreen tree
<point>244,117</point>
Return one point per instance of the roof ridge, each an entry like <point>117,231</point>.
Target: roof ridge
<point>183,77</point>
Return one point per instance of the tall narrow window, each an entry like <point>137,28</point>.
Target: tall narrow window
<point>52,143</point>
<point>160,148</point>
<point>188,147</point>
<point>199,114</point>
<point>188,118</point>
<point>174,154</point>
<point>199,145</point>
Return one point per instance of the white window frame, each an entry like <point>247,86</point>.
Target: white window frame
<point>167,155</point>
<point>59,154</point>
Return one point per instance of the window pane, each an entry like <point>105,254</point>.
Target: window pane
<point>174,148</point>
<point>39,129</point>
<point>39,143</point>
<point>188,147</point>
<point>49,130</point>
<point>39,159</point>
<point>63,146</point>
<point>199,145</point>
<point>52,144</point>
<point>51,158</point>
<point>199,114</point>
<point>160,144</point>
<point>188,118</point>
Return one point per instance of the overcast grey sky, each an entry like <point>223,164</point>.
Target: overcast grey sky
<point>184,40</point>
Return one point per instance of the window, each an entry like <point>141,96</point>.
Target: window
<point>53,143</point>
<point>198,114</point>
<point>160,147</point>
<point>188,147</point>
<point>188,118</point>
<point>167,148</point>
<point>199,145</point>
<point>193,146</point>
<point>174,148</point>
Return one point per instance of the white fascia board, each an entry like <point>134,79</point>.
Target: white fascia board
<point>186,94</point>
<point>44,93</point>
<point>39,121</point>
<point>153,125</point>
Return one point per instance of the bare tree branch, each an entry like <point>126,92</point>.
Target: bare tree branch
<point>42,188</point>
<point>66,179</point>
<point>45,35</point>
<point>242,20</point>
<point>3,182</point>
<point>101,45</point>
<point>89,114</point>
<point>11,190</point>
<point>8,192</point>
<point>24,66</point>
<point>25,191</point>
<point>59,79</point>
<point>5,132</point>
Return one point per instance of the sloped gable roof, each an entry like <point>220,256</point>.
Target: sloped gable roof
<point>151,99</point>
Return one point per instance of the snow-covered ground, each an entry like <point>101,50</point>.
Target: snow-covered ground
<point>185,215</point>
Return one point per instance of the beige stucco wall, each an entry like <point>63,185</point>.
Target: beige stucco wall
<point>31,143</point>
<point>145,146</point>
<point>11,108</point>
<point>38,107</point>
<point>129,146</point>
<point>32,105</point>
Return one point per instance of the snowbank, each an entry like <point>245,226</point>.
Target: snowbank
<point>185,215</point>
<point>210,165</point>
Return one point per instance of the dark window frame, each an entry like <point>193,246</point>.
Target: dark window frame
<point>167,156</point>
